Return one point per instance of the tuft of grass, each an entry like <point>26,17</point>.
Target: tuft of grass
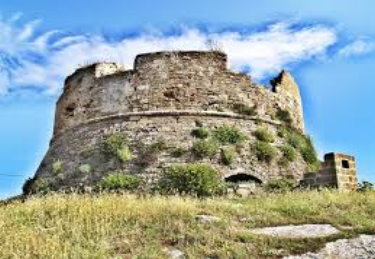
<point>205,148</point>
<point>85,168</point>
<point>264,151</point>
<point>227,156</point>
<point>304,145</point>
<point>124,154</point>
<point>263,134</point>
<point>57,166</point>
<point>201,133</point>
<point>195,179</point>
<point>284,116</point>
<point>226,134</point>
<point>113,225</point>
<point>289,154</point>
<point>113,143</point>
<point>119,181</point>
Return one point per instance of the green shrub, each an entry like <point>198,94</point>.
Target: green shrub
<point>284,116</point>
<point>289,153</point>
<point>263,134</point>
<point>295,139</point>
<point>205,148</point>
<point>264,151</point>
<point>244,109</point>
<point>282,132</point>
<point>194,179</point>
<point>309,154</point>
<point>306,148</point>
<point>228,135</point>
<point>113,143</point>
<point>41,186</point>
<point>124,154</point>
<point>280,185</point>
<point>57,166</point>
<point>118,181</point>
<point>227,156</point>
<point>365,186</point>
<point>85,168</point>
<point>201,133</point>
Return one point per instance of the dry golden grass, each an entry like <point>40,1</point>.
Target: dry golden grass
<point>125,226</point>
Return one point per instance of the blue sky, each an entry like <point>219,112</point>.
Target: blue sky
<point>329,46</point>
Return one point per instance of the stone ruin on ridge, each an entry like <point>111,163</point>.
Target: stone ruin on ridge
<point>158,104</point>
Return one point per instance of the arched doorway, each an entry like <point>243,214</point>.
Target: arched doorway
<point>241,184</point>
<point>242,178</point>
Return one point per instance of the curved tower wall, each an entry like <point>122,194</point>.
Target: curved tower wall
<point>162,99</point>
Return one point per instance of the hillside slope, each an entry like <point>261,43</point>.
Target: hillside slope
<point>126,226</point>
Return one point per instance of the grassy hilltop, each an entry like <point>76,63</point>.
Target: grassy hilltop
<point>127,226</point>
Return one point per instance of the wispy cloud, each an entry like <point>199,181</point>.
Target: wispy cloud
<point>357,48</point>
<point>42,61</point>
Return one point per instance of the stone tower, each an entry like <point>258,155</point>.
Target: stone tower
<point>157,105</point>
<point>338,170</point>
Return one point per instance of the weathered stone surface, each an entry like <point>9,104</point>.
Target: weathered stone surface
<point>176,254</point>
<point>298,231</point>
<point>362,247</point>
<point>162,98</point>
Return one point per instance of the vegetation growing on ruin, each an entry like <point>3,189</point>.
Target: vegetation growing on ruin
<point>148,153</point>
<point>282,185</point>
<point>200,132</point>
<point>244,109</point>
<point>263,134</point>
<point>205,148</point>
<point>85,168</point>
<point>303,144</point>
<point>113,143</point>
<point>264,151</point>
<point>284,116</point>
<point>57,166</point>
<point>227,155</point>
<point>289,155</point>
<point>195,179</point>
<point>126,226</point>
<point>226,134</point>
<point>124,154</point>
<point>119,181</point>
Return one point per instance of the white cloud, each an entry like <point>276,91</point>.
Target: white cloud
<point>356,48</point>
<point>44,60</point>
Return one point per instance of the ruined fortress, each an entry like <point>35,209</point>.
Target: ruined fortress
<point>160,104</point>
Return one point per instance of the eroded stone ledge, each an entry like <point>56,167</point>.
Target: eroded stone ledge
<point>175,113</point>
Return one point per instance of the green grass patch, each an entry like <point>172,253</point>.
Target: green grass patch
<point>205,148</point>
<point>119,181</point>
<point>201,133</point>
<point>264,151</point>
<point>129,226</point>
<point>226,134</point>
<point>263,134</point>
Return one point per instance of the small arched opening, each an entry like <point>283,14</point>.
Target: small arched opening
<point>242,185</point>
<point>242,178</point>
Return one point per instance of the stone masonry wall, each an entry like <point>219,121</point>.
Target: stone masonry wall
<point>338,170</point>
<point>170,81</point>
<point>82,145</point>
<point>161,100</point>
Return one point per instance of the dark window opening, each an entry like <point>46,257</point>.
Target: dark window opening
<point>345,164</point>
<point>237,178</point>
<point>69,110</point>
